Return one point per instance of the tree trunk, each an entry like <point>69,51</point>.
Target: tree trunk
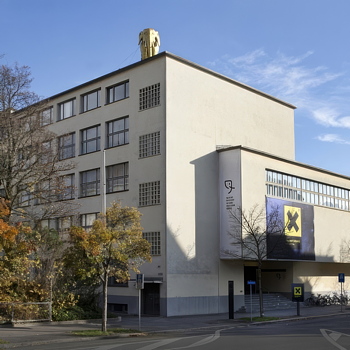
<point>104,310</point>
<point>261,302</point>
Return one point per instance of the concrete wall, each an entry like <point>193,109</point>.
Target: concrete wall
<point>330,228</point>
<point>203,111</point>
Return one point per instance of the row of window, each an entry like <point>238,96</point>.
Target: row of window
<point>149,97</point>
<point>308,191</point>
<point>86,221</point>
<point>117,180</point>
<point>90,138</point>
<point>117,135</point>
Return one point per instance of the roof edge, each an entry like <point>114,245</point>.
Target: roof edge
<point>230,80</point>
<point>285,160</point>
<point>179,59</point>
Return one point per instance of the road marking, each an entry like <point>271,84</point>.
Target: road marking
<point>333,337</point>
<point>159,343</point>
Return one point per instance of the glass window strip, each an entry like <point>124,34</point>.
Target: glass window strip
<point>307,191</point>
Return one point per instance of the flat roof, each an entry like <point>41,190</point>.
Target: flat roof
<point>285,160</point>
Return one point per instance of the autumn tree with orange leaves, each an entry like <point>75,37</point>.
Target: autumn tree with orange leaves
<point>15,262</point>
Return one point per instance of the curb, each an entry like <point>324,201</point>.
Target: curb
<point>71,340</point>
<point>57,323</point>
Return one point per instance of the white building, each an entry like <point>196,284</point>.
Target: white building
<point>166,134</point>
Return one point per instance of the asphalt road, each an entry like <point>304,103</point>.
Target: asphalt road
<point>321,334</point>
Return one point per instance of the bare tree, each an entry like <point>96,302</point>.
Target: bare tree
<point>250,232</point>
<point>30,170</point>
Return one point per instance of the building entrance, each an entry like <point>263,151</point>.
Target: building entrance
<point>151,299</point>
<point>250,274</point>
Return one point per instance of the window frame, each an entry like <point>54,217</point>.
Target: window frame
<point>115,179</point>
<point>155,240</point>
<point>43,117</point>
<point>83,220</point>
<point>84,183</point>
<point>85,142</point>
<point>112,135</point>
<point>68,191</point>
<point>84,101</point>
<point>111,91</point>
<point>62,148</point>
<point>149,145</point>
<point>149,97</point>
<point>61,109</point>
<point>149,194</point>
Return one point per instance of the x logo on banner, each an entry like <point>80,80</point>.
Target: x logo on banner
<point>293,221</point>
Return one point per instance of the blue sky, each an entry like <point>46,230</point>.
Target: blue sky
<point>295,50</point>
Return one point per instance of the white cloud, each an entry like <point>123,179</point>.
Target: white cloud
<point>313,89</point>
<point>283,76</point>
<point>330,117</point>
<point>334,138</point>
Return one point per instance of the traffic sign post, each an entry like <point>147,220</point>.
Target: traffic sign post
<point>298,295</point>
<point>251,283</point>
<point>341,280</point>
<point>140,280</point>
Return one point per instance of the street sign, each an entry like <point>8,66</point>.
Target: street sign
<point>140,281</point>
<point>297,292</point>
<point>251,282</point>
<point>341,277</point>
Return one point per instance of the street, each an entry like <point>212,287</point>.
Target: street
<point>317,333</point>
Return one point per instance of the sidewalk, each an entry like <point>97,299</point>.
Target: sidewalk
<point>45,333</point>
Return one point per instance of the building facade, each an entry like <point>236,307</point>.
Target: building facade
<point>164,135</point>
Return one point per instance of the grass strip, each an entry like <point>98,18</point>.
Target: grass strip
<point>259,319</point>
<point>98,333</point>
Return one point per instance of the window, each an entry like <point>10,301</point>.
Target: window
<point>118,92</point>
<point>90,140</point>
<point>45,192</point>
<point>66,109</point>
<point>118,132</point>
<point>59,224</point>
<point>66,146</point>
<point>149,193</point>
<point>117,177</point>
<point>67,187</point>
<point>25,198</point>
<point>118,308</point>
<point>154,239</point>
<point>46,116</point>
<point>307,191</point>
<point>149,145</point>
<point>65,223</point>
<point>90,183</point>
<point>86,220</point>
<point>90,101</point>
<point>150,96</point>
<point>112,281</point>
<point>51,224</point>
<point>46,155</point>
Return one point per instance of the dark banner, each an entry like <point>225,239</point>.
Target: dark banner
<point>291,236</point>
